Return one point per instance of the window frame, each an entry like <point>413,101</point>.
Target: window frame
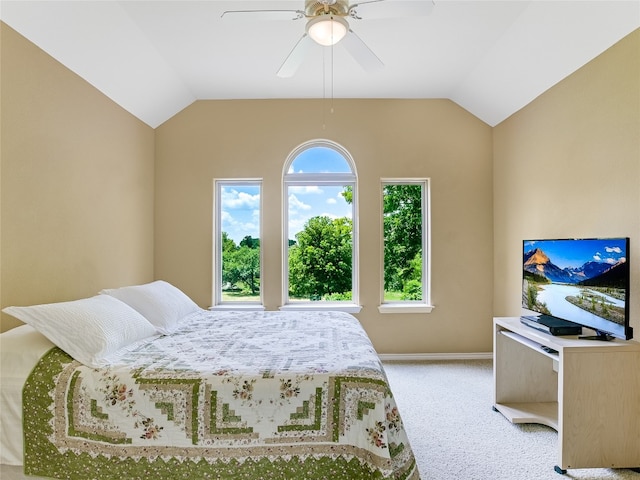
<point>216,294</point>
<point>320,179</point>
<point>409,306</point>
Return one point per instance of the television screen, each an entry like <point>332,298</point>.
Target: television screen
<point>585,281</point>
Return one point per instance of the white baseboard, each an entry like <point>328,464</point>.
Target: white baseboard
<point>425,357</point>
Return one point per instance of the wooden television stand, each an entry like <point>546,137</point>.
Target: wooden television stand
<point>589,392</point>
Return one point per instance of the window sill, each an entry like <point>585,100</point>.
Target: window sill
<point>347,307</point>
<point>240,306</point>
<point>405,308</point>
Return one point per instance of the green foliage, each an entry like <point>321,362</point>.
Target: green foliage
<point>338,297</point>
<point>320,261</point>
<point>228,245</point>
<point>412,290</point>
<point>535,277</point>
<point>532,296</point>
<point>241,264</point>
<point>250,242</point>
<point>402,210</point>
<point>347,193</point>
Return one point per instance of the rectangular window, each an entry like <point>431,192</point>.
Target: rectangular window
<point>405,228</point>
<point>236,242</point>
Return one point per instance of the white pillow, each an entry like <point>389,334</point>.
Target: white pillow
<point>90,329</point>
<point>164,305</point>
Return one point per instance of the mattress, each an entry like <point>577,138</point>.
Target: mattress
<point>20,350</point>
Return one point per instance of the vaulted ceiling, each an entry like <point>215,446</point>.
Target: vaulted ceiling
<point>154,58</point>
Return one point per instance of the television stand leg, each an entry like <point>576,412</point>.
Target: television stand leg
<point>559,470</point>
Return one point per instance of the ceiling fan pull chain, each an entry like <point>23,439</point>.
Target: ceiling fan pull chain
<point>331,111</point>
<point>324,90</point>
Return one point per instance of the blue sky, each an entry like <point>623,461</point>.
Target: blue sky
<point>241,204</point>
<point>575,253</point>
<point>319,159</point>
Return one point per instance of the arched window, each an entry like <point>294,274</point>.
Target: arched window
<point>320,228</point>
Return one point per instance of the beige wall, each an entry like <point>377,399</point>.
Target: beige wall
<point>76,192</point>
<point>387,138</point>
<point>568,165</point>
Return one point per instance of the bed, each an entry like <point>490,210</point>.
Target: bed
<point>202,394</point>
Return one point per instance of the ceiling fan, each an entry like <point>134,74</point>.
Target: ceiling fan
<point>327,25</point>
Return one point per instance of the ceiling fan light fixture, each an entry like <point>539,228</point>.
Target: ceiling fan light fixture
<point>327,30</point>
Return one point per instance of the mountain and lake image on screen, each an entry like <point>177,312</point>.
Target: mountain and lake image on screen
<point>585,281</point>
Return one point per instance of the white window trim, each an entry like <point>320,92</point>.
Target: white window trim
<point>216,293</point>
<point>294,179</point>
<point>397,307</point>
<point>324,306</point>
<point>244,306</point>
<point>410,306</point>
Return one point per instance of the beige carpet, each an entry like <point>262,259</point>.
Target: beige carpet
<point>456,435</point>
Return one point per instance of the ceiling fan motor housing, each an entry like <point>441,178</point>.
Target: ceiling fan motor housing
<point>314,8</point>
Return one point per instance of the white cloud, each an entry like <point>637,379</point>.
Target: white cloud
<point>231,223</point>
<point>612,258</point>
<point>331,201</point>
<point>296,205</point>
<point>234,200</point>
<point>306,190</point>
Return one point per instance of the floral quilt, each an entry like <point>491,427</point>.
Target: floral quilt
<point>231,395</point>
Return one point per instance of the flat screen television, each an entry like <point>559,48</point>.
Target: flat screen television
<point>585,281</point>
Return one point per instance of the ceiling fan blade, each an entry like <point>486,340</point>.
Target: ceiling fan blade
<point>295,58</point>
<point>390,9</point>
<point>361,53</point>
<point>242,15</point>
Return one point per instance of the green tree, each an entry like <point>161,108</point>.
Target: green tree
<point>402,214</point>
<point>412,288</point>
<point>320,261</point>
<point>228,245</point>
<point>532,296</point>
<point>242,266</point>
<point>229,248</point>
<point>347,193</point>
<point>250,242</point>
